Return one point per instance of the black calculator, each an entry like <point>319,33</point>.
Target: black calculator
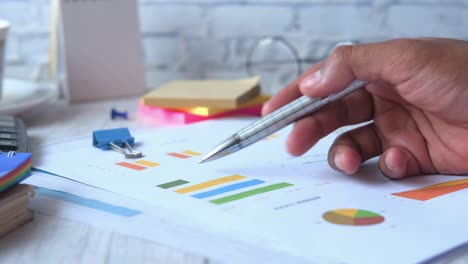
<point>13,136</point>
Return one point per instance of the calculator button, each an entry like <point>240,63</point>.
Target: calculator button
<point>7,129</point>
<point>7,118</point>
<point>8,144</point>
<point>7,123</point>
<point>7,136</point>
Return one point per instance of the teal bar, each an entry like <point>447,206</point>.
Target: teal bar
<point>86,202</point>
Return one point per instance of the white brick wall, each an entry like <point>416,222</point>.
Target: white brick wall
<point>211,38</point>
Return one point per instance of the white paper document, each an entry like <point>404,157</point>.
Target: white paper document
<point>297,204</point>
<point>60,197</point>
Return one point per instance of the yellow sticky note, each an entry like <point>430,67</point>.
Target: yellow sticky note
<point>226,94</point>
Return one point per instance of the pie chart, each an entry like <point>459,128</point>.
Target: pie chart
<point>354,217</point>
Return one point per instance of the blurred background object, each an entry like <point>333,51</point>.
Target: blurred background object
<point>278,62</point>
<point>213,39</point>
<point>4,25</point>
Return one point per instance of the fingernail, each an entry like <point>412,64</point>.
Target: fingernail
<point>338,160</point>
<point>311,81</point>
<point>265,108</point>
<point>388,163</point>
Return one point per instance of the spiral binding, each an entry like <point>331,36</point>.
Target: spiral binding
<point>10,154</point>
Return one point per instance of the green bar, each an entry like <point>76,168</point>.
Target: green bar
<point>172,184</point>
<point>253,192</point>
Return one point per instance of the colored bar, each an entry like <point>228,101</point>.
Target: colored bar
<point>228,188</point>
<point>433,191</point>
<point>253,192</point>
<point>131,166</point>
<point>178,155</point>
<point>191,153</point>
<point>172,184</point>
<point>147,163</point>
<point>208,184</point>
<point>86,202</point>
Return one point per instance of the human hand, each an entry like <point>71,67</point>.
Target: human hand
<point>417,100</point>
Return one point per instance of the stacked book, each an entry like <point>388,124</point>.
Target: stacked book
<point>14,210</point>
<point>184,102</point>
<point>14,197</point>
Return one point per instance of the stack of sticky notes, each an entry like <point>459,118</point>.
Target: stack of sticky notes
<point>14,210</point>
<point>14,198</point>
<point>14,167</point>
<point>184,102</point>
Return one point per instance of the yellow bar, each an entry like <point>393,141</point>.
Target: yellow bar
<point>191,153</point>
<point>147,163</point>
<point>446,184</point>
<point>208,184</point>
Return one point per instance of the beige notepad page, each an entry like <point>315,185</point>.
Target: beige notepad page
<point>102,49</point>
<point>227,94</point>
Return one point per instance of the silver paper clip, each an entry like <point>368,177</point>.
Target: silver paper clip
<point>131,154</point>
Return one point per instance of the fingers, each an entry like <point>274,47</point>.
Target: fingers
<point>353,109</point>
<point>356,146</point>
<point>393,61</point>
<point>288,93</point>
<point>398,162</point>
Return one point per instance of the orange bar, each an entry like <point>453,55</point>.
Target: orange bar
<point>131,166</point>
<point>426,193</point>
<point>178,155</point>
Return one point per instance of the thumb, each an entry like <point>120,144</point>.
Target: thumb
<point>388,61</point>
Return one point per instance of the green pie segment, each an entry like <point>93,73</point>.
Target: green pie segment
<point>352,217</point>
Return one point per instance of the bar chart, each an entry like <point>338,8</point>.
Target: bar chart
<point>434,191</point>
<point>232,189</point>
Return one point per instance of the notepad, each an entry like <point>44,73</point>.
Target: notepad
<point>102,49</point>
<point>14,167</point>
<point>227,94</point>
<point>211,111</point>
<point>163,116</point>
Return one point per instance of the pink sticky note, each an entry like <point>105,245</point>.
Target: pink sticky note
<point>166,116</point>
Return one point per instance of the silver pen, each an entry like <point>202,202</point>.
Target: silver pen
<point>275,121</point>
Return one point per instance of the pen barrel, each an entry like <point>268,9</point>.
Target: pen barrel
<point>288,114</point>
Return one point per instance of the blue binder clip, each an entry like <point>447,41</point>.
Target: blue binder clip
<point>116,139</point>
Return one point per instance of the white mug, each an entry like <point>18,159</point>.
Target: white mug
<point>4,26</point>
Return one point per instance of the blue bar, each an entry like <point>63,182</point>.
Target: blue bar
<point>90,203</point>
<point>228,188</point>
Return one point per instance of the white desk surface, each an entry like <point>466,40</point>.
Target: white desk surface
<point>50,239</point>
